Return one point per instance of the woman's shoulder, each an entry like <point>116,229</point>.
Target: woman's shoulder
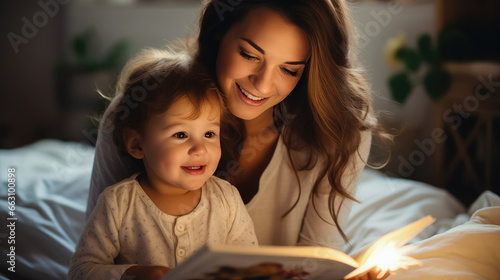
<point>303,152</point>
<point>294,148</point>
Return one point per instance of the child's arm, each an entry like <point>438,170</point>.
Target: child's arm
<point>99,244</point>
<point>242,231</point>
<point>145,272</point>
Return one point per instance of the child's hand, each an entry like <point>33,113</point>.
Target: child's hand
<point>138,272</point>
<point>370,275</point>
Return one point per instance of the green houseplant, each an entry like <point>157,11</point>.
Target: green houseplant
<point>88,70</point>
<point>420,65</point>
<point>87,59</point>
<point>81,81</point>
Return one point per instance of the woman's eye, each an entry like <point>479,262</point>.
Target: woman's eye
<point>247,56</point>
<point>180,135</point>
<point>210,134</point>
<point>291,73</point>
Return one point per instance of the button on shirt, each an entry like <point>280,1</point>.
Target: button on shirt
<point>181,253</point>
<point>180,228</point>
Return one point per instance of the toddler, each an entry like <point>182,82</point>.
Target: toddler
<point>167,114</point>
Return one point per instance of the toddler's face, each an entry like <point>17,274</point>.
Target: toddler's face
<point>181,151</point>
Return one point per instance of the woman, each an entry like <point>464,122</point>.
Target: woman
<point>302,116</point>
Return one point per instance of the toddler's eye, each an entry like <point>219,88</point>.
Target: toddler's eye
<point>180,135</point>
<point>210,134</point>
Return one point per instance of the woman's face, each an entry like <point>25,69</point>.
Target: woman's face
<point>260,61</point>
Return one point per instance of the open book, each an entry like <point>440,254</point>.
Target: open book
<point>225,262</point>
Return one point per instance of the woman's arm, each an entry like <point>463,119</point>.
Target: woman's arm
<point>315,231</point>
<point>110,165</point>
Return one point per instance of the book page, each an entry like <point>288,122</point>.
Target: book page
<point>387,250</point>
<point>240,262</point>
<point>302,262</point>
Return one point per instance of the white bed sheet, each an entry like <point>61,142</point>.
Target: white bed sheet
<point>467,252</point>
<point>52,187</point>
<point>52,182</point>
<point>387,204</point>
<point>461,244</point>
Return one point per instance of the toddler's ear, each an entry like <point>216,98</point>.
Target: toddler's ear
<point>133,143</point>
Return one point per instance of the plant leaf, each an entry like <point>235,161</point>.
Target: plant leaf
<point>117,55</point>
<point>428,53</point>
<point>410,58</point>
<point>437,82</point>
<point>83,44</point>
<point>400,86</point>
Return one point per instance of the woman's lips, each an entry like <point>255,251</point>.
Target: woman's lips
<point>194,170</point>
<point>249,98</point>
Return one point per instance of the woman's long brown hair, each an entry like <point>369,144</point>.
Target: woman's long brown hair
<point>332,99</point>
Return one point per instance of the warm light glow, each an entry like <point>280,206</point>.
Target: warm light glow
<point>390,258</point>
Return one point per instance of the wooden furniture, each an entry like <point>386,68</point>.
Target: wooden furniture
<point>467,162</point>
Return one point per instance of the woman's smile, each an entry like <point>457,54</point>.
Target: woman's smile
<point>260,62</point>
<point>250,98</point>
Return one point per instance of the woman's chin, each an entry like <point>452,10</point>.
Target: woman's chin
<point>242,113</point>
<point>248,113</point>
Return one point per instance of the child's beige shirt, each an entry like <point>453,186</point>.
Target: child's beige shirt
<point>126,228</point>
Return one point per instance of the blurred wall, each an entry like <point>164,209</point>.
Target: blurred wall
<point>147,23</point>
<point>39,34</point>
<point>30,46</point>
<point>376,22</point>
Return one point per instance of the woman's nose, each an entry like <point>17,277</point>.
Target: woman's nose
<point>263,80</point>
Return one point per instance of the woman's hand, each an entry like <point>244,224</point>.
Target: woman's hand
<point>137,272</point>
<point>371,275</point>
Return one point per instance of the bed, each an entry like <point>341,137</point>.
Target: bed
<point>51,186</point>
